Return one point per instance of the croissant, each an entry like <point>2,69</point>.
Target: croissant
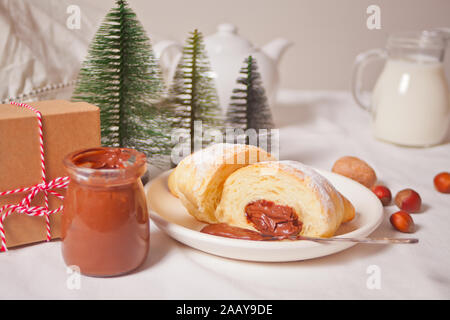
<point>282,198</point>
<point>198,179</point>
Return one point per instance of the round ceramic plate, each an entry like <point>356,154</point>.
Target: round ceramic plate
<point>169,215</point>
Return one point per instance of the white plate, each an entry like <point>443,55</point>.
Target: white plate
<point>169,215</point>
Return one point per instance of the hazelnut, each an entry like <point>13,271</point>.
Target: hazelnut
<point>442,182</point>
<point>355,169</point>
<point>408,200</point>
<point>402,221</point>
<point>383,193</point>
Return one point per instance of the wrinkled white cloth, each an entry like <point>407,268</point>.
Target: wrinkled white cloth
<point>41,46</point>
<point>316,128</point>
<point>43,43</point>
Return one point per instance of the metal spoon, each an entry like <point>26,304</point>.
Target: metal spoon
<point>363,240</point>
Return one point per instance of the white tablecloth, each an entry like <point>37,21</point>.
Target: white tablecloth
<point>317,128</point>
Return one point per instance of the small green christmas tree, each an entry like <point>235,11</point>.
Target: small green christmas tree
<point>249,108</point>
<point>192,96</point>
<point>121,77</point>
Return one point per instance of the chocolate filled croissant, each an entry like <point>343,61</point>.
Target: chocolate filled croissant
<point>226,184</point>
<point>283,198</point>
<point>198,179</point>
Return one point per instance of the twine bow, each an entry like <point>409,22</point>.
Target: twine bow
<point>46,187</point>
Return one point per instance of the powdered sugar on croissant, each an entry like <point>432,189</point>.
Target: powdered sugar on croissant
<point>198,179</point>
<point>318,206</point>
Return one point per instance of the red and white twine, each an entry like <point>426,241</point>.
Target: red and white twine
<point>47,187</point>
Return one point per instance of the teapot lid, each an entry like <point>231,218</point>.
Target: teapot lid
<point>227,39</point>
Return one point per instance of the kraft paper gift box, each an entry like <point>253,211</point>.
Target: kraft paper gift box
<point>67,127</point>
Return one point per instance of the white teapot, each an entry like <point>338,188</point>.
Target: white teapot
<point>227,51</point>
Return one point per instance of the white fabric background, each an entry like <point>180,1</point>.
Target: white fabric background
<point>30,58</point>
<point>317,128</point>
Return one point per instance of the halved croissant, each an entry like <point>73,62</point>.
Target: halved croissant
<point>318,206</point>
<point>198,179</point>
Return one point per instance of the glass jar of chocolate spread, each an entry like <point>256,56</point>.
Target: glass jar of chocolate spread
<point>105,224</point>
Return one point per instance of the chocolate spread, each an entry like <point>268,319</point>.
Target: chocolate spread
<point>102,159</point>
<point>274,222</point>
<point>105,229</point>
<point>272,219</point>
<point>225,230</point>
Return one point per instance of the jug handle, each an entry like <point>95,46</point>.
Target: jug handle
<point>360,62</point>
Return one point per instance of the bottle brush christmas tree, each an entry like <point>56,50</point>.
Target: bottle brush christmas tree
<point>192,96</point>
<point>121,77</point>
<point>249,108</point>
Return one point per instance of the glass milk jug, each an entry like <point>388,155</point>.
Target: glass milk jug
<point>410,103</point>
